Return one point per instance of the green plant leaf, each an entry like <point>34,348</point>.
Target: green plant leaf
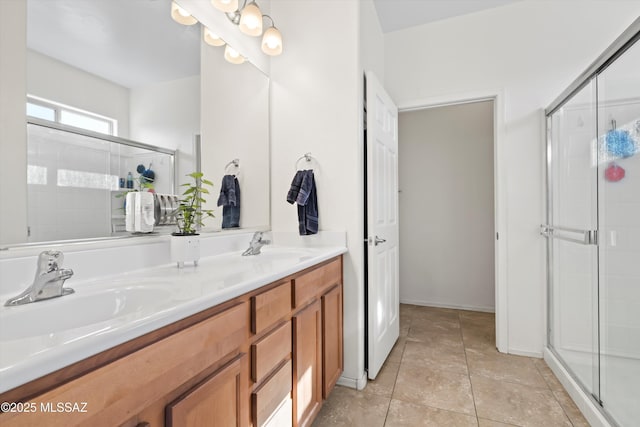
<point>206,181</point>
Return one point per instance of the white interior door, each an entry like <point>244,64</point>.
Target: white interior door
<point>382,229</point>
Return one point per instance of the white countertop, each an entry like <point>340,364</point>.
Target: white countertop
<point>42,337</point>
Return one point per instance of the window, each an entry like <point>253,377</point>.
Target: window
<point>44,109</point>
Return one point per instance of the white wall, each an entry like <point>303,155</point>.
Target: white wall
<point>371,40</point>
<point>527,53</point>
<point>13,133</point>
<point>445,163</point>
<point>167,115</point>
<point>315,107</point>
<point>56,81</point>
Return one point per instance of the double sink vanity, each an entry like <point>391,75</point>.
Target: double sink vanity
<point>236,341</point>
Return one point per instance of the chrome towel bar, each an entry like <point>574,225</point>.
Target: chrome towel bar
<point>589,237</point>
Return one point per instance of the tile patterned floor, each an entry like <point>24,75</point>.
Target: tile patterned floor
<point>445,371</point>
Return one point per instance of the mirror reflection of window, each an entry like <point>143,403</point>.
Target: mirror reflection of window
<point>55,112</point>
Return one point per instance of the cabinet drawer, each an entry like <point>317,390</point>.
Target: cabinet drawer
<point>274,393</point>
<point>270,306</point>
<point>313,283</point>
<point>267,353</point>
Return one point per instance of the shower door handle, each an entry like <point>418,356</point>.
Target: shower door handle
<point>588,237</point>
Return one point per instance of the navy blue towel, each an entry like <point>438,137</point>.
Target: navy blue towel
<point>303,192</point>
<point>229,199</point>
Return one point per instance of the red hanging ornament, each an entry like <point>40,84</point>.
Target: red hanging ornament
<point>614,173</point>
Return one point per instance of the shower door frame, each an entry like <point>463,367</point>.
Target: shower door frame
<point>624,42</point>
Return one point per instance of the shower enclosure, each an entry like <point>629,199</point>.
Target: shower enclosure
<point>593,230</point>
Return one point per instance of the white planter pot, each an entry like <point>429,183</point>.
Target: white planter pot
<point>185,249</point>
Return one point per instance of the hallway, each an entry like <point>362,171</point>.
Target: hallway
<point>444,371</point>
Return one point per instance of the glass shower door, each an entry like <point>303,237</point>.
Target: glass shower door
<point>619,246</point>
<point>571,228</point>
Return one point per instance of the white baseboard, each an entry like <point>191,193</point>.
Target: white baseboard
<point>536,354</point>
<point>582,400</point>
<point>355,383</point>
<point>454,306</point>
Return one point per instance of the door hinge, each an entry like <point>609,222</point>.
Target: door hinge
<point>497,236</point>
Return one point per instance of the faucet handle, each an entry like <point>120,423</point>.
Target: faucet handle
<point>49,261</point>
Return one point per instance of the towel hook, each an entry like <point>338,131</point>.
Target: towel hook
<point>307,157</point>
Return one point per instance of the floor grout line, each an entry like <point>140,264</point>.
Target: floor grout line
<point>466,359</point>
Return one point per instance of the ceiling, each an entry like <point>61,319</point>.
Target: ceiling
<point>400,14</point>
<point>130,42</point>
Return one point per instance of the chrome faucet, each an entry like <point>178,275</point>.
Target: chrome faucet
<point>257,242</point>
<point>49,280</point>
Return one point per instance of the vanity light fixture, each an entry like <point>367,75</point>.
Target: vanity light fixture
<point>232,55</point>
<point>181,16</point>
<point>225,5</point>
<point>251,20</point>
<point>212,38</point>
<point>272,39</point>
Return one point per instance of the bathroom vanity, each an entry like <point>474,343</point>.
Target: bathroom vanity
<point>259,354</point>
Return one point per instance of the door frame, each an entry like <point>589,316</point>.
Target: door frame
<point>500,194</point>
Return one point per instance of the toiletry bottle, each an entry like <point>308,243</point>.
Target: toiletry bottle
<point>129,180</point>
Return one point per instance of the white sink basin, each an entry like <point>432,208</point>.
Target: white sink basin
<point>81,309</point>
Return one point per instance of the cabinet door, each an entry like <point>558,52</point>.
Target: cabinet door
<point>220,400</point>
<point>332,362</point>
<point>307,364</point>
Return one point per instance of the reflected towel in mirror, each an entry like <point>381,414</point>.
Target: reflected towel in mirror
<point>229,199</point>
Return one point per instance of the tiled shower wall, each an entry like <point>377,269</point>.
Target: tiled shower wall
<point>73,181</point>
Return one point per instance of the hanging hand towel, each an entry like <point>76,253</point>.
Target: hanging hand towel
<point>295,187</point>
<point>303,191</point>
<point>229,199</point>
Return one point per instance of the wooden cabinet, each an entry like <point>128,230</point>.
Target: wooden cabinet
<point>271,396</point>
<point>310,285</point>
<point>307,364</point>
<point>136,388</point>
<point>217,401</point>
<point>263,359</point>
<point>332,355</point>
<point>270,306</point>
<point>269,351</point>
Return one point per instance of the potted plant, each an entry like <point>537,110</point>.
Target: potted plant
<point>185,243</point>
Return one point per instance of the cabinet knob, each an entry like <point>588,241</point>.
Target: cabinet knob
<point>143,424</point>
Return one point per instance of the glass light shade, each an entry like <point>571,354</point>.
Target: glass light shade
<point>181,16</point>
<point>272,42</point>
<point>232,55</point>
<point>212,39</point>
<point>251,20</point>
<point>225,5</point>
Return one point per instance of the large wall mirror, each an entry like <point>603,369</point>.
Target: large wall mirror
<point>126,68</point>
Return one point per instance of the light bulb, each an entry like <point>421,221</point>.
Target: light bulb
<point>181,16</point>
<point>251,20</point>
<point>232,55</point>
<point>225,5</point>
<point>212,38</point>
<point>272,42</point>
